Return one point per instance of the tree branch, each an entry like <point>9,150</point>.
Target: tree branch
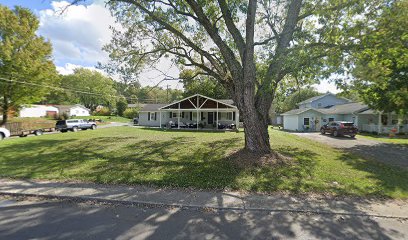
<point>232,28</point>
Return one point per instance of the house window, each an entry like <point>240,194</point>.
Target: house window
<point>394,121</point>
<point>152,116</point>
<point>229,116</point>
<point>306,121</point>
<point>384,119</point>
<point>331,119</point>
<point>174,115</point>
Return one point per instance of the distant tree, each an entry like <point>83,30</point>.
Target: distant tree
<point>131,113</point>
<point>205,85</point>
<point>25,60</point>
<point>90,88</point>
<point>290,101</point>
<point>121,106</point>
<point>381,72</point>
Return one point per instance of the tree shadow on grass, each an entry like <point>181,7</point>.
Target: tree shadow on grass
<point>291,171</point>
<point>390,180</point>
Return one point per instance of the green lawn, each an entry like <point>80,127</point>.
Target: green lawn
<point>381,138</point>
<point>108,118</point>
<point>195,159</point>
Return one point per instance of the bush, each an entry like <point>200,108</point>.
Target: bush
<point>121,107</point>
<point>104,111</point>
<point>131,113</point>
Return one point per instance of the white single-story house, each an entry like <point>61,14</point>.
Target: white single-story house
<point>74,110</point>
<point>38,111</point>
<point>197,111</point>
<point>317,111</point>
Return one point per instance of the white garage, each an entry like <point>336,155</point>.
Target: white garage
<point>38,111</point>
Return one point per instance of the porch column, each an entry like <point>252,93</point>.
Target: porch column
<point>160,117</point>
<point>237,119</point>
<point>178,117</point>
<point>379,123</point>
<point>216,127</point>
<point>197,112</point>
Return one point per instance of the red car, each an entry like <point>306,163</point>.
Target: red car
<point>340,128</point>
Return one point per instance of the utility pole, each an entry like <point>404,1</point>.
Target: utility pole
<point>167,90</point>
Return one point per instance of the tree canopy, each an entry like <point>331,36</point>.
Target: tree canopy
<point>291,100</point>
<point>204,85</point>
<point>26,67</point>
<point>381,66</point>
<point>87,87</point>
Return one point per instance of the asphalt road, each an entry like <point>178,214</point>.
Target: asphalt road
<point>393,154</point>
<point>39,219</point>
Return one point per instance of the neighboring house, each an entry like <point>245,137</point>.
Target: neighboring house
<point>317,111</point>
<point>38,111</point>
<point>74,110</point>
<point>197,109</point>
<point>322,101</point>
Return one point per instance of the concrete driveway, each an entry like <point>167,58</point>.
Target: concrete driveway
<point>393,154</point>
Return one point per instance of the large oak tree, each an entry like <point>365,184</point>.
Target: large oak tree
<point>248,46</point>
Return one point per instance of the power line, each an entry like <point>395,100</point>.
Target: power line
<point>77,91</point>
<point>65,89</point>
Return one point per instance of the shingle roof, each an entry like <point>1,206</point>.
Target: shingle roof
<point>136,105</point>
<point>312,99</point>
<point>309,100</point>
<point>227,101</point>
<point>347,108</point>
<point>152,107</point>
<point>300,110</point>
<point>369,111</point>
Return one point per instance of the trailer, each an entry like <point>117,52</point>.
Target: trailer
<point>23,129</point>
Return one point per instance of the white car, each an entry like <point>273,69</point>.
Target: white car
<point>4,133</point>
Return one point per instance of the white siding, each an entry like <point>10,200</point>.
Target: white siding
<point>313,124</point>
<point>144,119</point>
<point>79,111</point>
<point>36,111</point>
<point>291,122</point>
<point>327,100</point>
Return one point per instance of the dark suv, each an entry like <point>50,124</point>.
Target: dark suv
<point>339,128</point>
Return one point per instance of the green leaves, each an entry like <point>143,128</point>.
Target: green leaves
<point>381,67</point>
<point>24,57</point>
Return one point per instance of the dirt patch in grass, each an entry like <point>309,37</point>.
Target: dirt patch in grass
<point>244,159</point>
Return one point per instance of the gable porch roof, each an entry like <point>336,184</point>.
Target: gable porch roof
<point>194,102</point>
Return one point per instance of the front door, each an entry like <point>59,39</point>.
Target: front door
<point>210,118</point>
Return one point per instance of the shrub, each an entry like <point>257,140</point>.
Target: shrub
<point>131,113</point>
<point>104,111</point>
<point>121,107</point>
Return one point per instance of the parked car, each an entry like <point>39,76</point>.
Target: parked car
<point>339,128</point>
<point>4,133</point>
<point>74,125</point>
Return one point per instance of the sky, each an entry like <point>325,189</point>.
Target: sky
<point>79,34</point>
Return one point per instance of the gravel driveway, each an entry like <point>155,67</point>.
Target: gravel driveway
<point>394,154</point>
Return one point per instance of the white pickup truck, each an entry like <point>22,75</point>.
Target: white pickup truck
<point>4,133</point>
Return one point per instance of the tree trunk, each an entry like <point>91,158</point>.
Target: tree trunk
<point>255,123</point>
<point>5,109</point>
<point>256,133</point>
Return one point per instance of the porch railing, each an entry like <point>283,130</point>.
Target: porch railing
<point>385,128</point>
